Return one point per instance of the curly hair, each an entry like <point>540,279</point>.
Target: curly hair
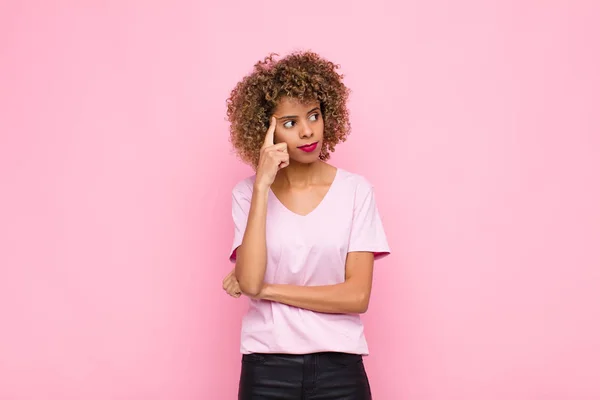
<point>304,76</point>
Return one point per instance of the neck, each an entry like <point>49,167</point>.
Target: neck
<point>299,175</point>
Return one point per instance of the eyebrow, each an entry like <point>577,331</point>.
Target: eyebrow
<point>295,116</point>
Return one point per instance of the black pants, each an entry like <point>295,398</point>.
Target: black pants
<point>318,376</point>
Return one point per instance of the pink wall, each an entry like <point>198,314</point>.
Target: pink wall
<point>477,121</point>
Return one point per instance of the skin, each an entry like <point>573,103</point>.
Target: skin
<point>300,181</point>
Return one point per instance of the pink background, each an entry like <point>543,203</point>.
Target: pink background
<point>477,121</point>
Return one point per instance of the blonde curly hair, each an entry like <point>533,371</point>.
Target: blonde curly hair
<point>304,76</point>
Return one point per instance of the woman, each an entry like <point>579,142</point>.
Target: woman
<point>306,235</point>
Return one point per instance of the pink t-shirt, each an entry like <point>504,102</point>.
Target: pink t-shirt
<point>309,250</point>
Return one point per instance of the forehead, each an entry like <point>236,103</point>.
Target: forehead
<point>289,105</point>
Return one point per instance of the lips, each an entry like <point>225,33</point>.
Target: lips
<point>309,147</point>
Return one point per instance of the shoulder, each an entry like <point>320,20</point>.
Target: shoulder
<point>358,183</point>
<point>243,188</point>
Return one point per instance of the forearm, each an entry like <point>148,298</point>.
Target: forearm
<point>342,298</point>
<point>252,254</point>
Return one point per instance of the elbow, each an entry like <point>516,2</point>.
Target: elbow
<point>361,308</point>
<point>250,285</point>
<point>250,289</point>
<point>361,304</point>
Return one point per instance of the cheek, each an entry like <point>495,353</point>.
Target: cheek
<point>279,138</point>
<point>321,126</point>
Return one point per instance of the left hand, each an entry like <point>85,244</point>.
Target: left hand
<point>231,285</point>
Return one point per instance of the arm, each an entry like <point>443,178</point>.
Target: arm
<point>251,259</point>
<point>251,255</point>
<point>350,297</point>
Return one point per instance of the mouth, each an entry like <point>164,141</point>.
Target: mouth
<point>308,148</point>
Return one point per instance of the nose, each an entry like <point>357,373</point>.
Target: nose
<point>305,130</point>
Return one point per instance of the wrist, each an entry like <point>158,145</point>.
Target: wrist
<point>261,188</point>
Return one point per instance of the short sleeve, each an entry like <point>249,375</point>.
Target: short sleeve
<point>240,206</point>
<point>367,232</point>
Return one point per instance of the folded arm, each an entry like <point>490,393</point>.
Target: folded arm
<point>349,297</point>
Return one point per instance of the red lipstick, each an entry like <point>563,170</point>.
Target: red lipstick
<point>309,147</point>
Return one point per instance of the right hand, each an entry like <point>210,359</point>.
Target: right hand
<point>273,157</point>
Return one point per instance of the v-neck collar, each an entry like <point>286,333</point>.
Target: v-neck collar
<point>318,206</point>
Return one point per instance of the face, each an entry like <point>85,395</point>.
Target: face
<point>300,125</point>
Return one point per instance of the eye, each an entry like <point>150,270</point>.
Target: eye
<point>288,124</point>
<point>314,117</point>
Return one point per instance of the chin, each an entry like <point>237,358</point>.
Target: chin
<point>307,158</point>
<point>312,160</point>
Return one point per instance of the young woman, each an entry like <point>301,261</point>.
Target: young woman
<point>306,235</point>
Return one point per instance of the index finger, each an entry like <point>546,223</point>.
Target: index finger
<point>270,136</point>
